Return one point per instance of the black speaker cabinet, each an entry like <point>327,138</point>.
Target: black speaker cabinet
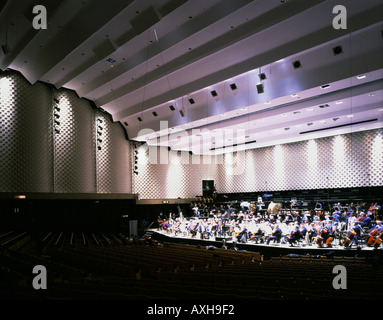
<point>207,188</point>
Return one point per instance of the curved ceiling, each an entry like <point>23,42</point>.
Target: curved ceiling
<point>203,76</point>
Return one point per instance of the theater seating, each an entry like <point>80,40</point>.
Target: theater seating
<point>111,266</point>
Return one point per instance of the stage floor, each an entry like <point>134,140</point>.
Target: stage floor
<point>272,249</point>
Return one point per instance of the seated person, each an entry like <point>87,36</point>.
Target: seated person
<point>295,236</point>
<point>276,235</point>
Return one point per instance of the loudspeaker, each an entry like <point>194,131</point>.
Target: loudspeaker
<point>207,188</point>
<point>260,88</point>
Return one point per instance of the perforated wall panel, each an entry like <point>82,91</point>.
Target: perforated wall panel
<point>334,162</point>
<point>26,154</point>
<point>163,174</point>
<point>75,165</point>
<point>350,160</point>
<point>113,158</point>
<point>49,142</point>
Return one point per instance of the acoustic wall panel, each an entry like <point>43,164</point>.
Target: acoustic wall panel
<point>26,154</point>
<point>113,159</point>
<point>341,161</point>
<point>49,142</point>
<point>74,150</point>
<point>169,174</point>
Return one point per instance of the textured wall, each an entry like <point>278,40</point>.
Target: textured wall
<point>163,174</point>
<point>113,156</point>
<point>26,154</point>
<point>350,160</point>
<point>49,142</point>
<point>334,162</point>
<point>39,155</point>
<point>74,148</point>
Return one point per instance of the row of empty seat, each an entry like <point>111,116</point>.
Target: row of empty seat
<point>112,266</point>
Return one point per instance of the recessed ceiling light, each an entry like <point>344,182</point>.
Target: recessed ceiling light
<point>350,116</point>
<point>322,121</point>
<point>372,94</point>
<point>244,108</point>
<point>310,109</point>
<point>284,115</point>
<point>362,76</point>
<point>223,114</point>
<point>294,95</point>
<point>339,102</point>
<point>267,102</point>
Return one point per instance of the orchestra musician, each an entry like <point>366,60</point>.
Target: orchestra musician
<point>294,236</point>
<point>374,233</point>
<point>325,235</point>
<point>352,237</point>
<point>276,235</point>
<point>230,219</point>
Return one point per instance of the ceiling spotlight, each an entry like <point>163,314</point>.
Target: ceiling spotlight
<point>362,76</point>
<point>233,86</point>
<point>110,60</point>
<point>214,93</point>
<point>191,100</point>
<point>297,64</point>
<point>337,50</point>
<point>310,124</point>
<point>324,106</point>
<point>262,76</point>
<point>325,86</point>
<point>335,119</point>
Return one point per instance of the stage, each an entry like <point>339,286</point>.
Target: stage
<point>272,249</point>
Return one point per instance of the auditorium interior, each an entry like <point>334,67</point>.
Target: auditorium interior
<point>191,150</point>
